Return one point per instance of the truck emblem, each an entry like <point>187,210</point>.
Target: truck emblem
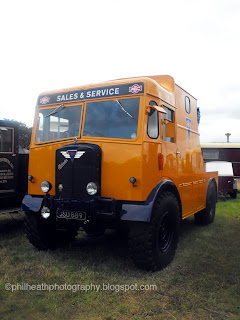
<point>188,123</point>
<point>72,154</point>
<point>44,100</point>
<point>135,88</point>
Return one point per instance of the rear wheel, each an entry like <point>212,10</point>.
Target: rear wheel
<point>153,244</point>
<point>233,194</point>
<point>42,233</point>
<point>207,215</point>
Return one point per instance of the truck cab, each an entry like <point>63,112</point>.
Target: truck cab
<point>124,151</point>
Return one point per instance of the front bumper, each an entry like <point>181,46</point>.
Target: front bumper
<point>99,208</point>
<point>96,208</point>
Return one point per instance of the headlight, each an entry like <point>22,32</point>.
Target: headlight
<point>92,188</point>
<point>46,186</point>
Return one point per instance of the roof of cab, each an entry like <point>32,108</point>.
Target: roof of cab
<point>159,86</point>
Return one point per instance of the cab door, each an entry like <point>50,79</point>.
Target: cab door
<point>159,153</point>
<point>169,146</point>
<point>152,146</point>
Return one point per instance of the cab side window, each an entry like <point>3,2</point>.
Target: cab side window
<point>153,122</point>
<point>170,116</point>
<point>6,139</point>
<point>187,105</point>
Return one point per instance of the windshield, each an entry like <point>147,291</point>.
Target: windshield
<point>58,123</point>
<point>112,119</point>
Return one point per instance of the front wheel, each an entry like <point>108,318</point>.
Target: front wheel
<point>42,233</point>
<point>153,244</point>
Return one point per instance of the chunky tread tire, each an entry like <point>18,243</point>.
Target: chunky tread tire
<point>147,243</point>
<point>42,233</point>
<point>207,215</point>
<point>233,194</point>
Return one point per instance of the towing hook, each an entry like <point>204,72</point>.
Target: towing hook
<point>86,221</point>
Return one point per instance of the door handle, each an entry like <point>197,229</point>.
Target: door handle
<point>178,152</point>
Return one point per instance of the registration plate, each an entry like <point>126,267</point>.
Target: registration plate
<point>69,214</point>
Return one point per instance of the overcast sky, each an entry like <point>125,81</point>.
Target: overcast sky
<point>47,45</point>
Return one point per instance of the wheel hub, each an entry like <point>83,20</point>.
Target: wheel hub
<point>164,235</point>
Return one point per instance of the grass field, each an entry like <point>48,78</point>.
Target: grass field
<point>203,281</point>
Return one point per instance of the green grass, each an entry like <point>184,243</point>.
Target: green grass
<point>203,281</point>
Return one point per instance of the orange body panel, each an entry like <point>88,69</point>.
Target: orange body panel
<point>124,158</point>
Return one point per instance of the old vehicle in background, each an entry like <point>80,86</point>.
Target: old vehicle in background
<point>227,184</point>
<point>227,151</point>
<point>13,168</point>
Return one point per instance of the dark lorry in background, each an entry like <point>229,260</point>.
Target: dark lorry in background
<point>13,168</point>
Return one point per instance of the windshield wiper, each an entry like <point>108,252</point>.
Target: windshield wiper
<point>124,109</point>
<point>60,108</point>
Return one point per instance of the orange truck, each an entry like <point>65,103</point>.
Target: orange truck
<point>119,153</point>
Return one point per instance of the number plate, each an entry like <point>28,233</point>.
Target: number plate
<point>69,214</point>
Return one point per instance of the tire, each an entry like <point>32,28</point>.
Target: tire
<point>233,194</point>
<point>207,215</point>
<point>42,233</point>
<point>153,245</point>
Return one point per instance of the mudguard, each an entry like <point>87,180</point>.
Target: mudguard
<point>30,203</point>
<point>143,211</point>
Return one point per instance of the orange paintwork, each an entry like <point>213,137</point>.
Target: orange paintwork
<point>122,158</point>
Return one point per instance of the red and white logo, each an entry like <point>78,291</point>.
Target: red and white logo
<point>44,100</point>
<point>188,122</point>
<point>135,88</point>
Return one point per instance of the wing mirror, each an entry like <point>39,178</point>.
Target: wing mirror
<point>157,108</point>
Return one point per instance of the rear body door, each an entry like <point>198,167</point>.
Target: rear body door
<point>8,162</point>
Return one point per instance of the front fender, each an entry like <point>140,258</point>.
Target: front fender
<point>143,211</point>
<point>30,203</point>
